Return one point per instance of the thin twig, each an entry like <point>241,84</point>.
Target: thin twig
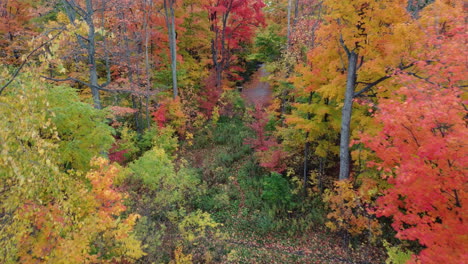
<point>26,60</point>
<point>98,87</point>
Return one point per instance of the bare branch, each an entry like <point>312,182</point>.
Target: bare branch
<point>381,79</point>
<point>27,59</point>
<point>419,77</point>
<point>75,7</point>
<point>100,87</point>
<point>344,46</point>
<point>371,85</point>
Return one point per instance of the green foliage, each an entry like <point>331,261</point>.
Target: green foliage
<point>244,195</point>
<point>165,139</point>
<point>194,225</point>
<point>152,233</point>
<point>81,128</point>
<point>169,188</point>
<point>145,141</point>
<point>230,131</point>
<point>128,142</point>
<point>277,193</point>
<point>232,104</point>
<point>49,213</point>
<point>396,255</point>
<point>164,192</point>
<point>248,64</point>
<point>154,167</point>
<point>269,44</point>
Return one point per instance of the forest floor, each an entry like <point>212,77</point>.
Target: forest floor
<point>222,164</point>
<point>311,247</point>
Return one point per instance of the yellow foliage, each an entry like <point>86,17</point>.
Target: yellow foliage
<point>51,215</point>
<point>348,210</point>
<point>180,257</point>
<point>383,36</point>
<point>62,18</point>
<point>195,225</point>
<point>215,115</point>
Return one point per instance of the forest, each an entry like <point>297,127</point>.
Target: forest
<point>233,131</point>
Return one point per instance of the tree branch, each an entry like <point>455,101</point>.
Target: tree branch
<point>344,46</point>
<point>75,7</point>
<point>381,79</point>
<point>26,60</point>
<point>420,77</point>
<point>370,85</point>
<point>99,87</point>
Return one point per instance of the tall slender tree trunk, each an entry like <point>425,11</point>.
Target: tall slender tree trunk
<point>170,22</point>
<point>93,78</point>
<point>224,54</point>
<point>306,152</point>
<point>289,23</point>
<point>346,116</point>
<point>106,50</point>
<point>296,13</point>
<point>147,64</point>
<point>214,56</point>
<point>126,47</point>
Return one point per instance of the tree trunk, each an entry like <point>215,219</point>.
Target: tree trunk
<point>306,151</point>
<point>224,56</point>
<point>93,78</point>
<point>296,12</point>
<point>170,22</point>
<point>321,173</point>
<point>346,116</point>
<point>126,48</point>
<point>147,64</point>
<point>289,23</point>
<point>214,57</point>
<point>219,52</point>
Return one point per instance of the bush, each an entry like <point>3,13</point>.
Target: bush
<point>277,193</point>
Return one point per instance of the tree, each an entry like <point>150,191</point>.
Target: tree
<point>52,213</point>
<point>87,13</point>
<point>16,27</point>
<point>288,36</point>
<point>170,22</point>
<point>232,23</point>
<point>356,49</point>
<point>424,166</point>
<point>103,19</point>
<point>421,149</point>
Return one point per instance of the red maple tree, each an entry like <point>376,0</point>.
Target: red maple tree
<point>423,151</point>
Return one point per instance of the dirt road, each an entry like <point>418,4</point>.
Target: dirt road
<point>256,91</point>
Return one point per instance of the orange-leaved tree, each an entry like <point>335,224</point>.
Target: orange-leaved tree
<point>359,45</point>
<point>53,210</point>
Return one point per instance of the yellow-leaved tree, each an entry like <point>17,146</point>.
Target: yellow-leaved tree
<point>359,46</point>
<point>51,213</point>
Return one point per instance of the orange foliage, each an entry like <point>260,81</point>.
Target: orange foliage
<point>170,112</point>
<point>349,210</point>
<point>69,231</point>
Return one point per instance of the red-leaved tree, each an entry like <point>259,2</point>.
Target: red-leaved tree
<point>233,22</point>
<point>422,146</point>
<point>266,147</point>
<point>423,152</point>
